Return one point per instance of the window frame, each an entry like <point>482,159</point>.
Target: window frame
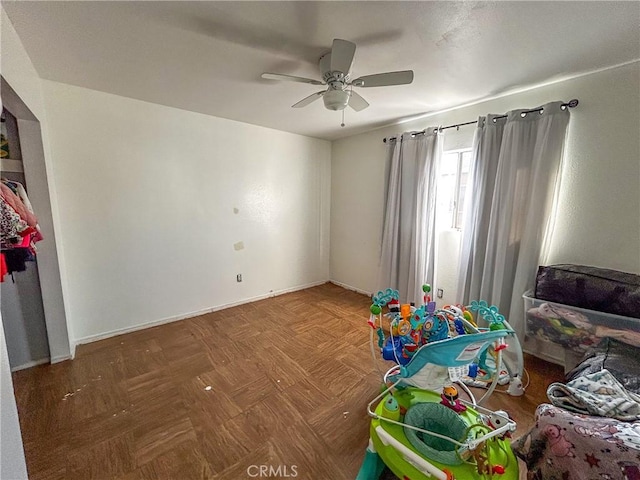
<point>459,152</point>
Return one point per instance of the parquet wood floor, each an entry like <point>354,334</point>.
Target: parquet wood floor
<point>281,382</point>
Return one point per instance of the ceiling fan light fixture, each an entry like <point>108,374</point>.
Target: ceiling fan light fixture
<point>336,99</point>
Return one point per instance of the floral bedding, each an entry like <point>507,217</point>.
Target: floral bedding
<point>570,446</point>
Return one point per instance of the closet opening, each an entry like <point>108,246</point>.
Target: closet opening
<point>31,297</point>
<point>20,294</point>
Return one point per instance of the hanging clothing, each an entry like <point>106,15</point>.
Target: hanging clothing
<point>22,194</point>
<point>18,205</point>
<point>12,185</point>
<point>516,163</point>
<point>18,219</point>
<point>16,259</point>
<point>18,228</point>
<point>12,227</point>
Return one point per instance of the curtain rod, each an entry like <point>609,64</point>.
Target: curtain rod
<point>571,104</point>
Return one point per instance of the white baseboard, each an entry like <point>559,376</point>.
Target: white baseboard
<point>349,287</point>
<point>30,364</point>
<point>162,321</point>
<point>62,358</point>
<point>42,361</point>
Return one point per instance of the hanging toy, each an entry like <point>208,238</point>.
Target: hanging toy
<point>405,311</point>
<point>468,316</point>
<point>380,299</point>
<point>401,322</point>
<point>380,337</point>
<point>454,315</point>
<point>458,326</point>
<point>375,311</point>
<point>426,288</point>
<point>394,306</point>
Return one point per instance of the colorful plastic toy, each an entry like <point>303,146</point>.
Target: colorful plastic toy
<point>413,447</point>
<point>421,428</point>
<point>450,399</point>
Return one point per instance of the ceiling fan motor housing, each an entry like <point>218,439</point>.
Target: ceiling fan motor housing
<point>327,74</point>
<point>336,98</point>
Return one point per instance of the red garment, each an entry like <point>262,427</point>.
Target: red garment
<point>26,242</point>
<point>3,267</point>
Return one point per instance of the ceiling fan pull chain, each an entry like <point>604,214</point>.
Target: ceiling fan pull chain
<point>342,124</point>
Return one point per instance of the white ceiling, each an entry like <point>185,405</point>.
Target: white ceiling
<point>208,56</point>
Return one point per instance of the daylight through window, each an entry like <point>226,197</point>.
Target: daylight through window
<point>454,176</point>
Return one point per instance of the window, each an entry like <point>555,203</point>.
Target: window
<point>454,176</point>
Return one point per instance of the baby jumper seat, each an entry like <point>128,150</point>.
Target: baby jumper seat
<point>420,428</point>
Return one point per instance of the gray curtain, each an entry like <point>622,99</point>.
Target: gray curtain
<point>515,175</point>
<point>408,241</point>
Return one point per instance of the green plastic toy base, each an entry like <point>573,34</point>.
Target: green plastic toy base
<point>500,452</point>
<point>372,467</point>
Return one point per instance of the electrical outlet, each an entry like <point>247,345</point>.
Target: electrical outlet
<point>239,278</point>
<point>440,293</point>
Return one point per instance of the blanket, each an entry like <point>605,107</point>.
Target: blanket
<point>568,446</point>
<point>597,393</point>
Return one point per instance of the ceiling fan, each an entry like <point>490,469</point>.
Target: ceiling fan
<point>335,67</point>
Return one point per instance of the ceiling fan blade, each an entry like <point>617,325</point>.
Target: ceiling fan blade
<point>383,79</point>
<point>357,102</point>
<point>307,100</point>
<point>342,53</point>
<point>290,78</point>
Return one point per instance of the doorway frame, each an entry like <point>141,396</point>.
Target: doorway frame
<point>37,180</point>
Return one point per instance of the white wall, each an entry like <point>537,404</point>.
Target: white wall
<point>160,208</point>
<point>597,222</point>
